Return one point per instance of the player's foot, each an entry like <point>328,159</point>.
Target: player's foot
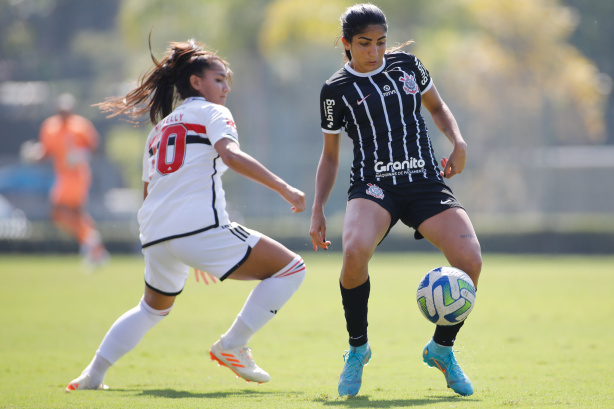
<point>84,382</point>
<point>438,356</point>
<point>351,376</point>
<point>96,257</point>
<point>240,361</point>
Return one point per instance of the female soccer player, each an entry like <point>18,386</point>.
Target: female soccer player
<point>377,97</point>
<point>183,219</point>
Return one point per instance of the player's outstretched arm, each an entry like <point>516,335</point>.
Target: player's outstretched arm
<point>244,164</point>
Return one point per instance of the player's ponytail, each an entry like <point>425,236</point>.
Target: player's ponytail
<point>155,93</point>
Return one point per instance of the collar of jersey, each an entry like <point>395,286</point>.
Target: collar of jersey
<point>365,74</point>
<point>189,99</point>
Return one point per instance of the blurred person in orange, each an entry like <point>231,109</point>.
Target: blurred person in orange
<point>68,140</point>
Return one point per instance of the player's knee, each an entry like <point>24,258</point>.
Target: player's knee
<point>472,265</point>
<point>294,273</point>
<point>159,313</point>
<point>357,251</point>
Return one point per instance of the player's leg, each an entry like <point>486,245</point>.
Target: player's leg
<point>365,225</point>
<point>66,219</point>
<point>452,232</point>
<point>125,333</point>
<point>67,197</point>
<point>281,273</point>
<point>164,278</point>
<point>90,239</point>
<point>79,224</point>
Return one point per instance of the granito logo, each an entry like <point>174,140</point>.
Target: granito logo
<point>412,163</point>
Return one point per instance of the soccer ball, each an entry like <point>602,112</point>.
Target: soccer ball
<point>446,295</point>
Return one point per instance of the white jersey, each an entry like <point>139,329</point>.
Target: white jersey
<point>184,172</point>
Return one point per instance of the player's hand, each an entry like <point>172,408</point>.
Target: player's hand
<point>295,197</point>
<point>456,163</point>
<point>317,231</point>
<point>31,152</point>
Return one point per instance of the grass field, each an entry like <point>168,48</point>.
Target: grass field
<point>540,336</point>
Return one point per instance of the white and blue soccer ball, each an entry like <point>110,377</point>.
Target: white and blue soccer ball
<point>446,295</point>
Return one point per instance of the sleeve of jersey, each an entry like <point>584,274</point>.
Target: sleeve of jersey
<point>91,134</point>
<point>149,158</point>
<point>330,111</point>
<point>221,125</point>
<point>86,132</point>
<point>424,78</point>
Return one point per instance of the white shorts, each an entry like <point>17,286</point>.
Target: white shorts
<point>218,251</point>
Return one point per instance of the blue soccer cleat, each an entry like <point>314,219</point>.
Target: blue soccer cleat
<point>351,376</point>
<point>437,356</point>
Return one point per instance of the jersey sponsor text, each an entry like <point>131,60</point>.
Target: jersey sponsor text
<point>398,168</point>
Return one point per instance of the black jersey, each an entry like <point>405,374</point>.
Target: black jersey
<point>380,112</point>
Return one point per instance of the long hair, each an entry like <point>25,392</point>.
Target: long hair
<point>164,84</point>
<point>358,17</point>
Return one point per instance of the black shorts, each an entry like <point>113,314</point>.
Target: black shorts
<point>411,204</point>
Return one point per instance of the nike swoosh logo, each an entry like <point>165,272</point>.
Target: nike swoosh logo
<point>360,101</point>
<point>447,201</point>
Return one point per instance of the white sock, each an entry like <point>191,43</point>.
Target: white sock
<point>238,335</point>
<point>97,370</point>
<point>265,300</point>
<point>123,336</point>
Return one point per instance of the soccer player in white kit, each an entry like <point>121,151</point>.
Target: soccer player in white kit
<point>183,219</point>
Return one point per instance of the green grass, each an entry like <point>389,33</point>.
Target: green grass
<point>540,336</point>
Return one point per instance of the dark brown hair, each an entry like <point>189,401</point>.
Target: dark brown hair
<point>165,83</point>
<point>358,17</point>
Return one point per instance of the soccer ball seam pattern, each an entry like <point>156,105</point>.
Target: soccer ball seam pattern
<point>446,295</point>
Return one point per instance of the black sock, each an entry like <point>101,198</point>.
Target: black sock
<point>355,303</point>
<point>446,334</point>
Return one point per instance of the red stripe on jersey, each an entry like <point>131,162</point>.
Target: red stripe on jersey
<point>196,128</point>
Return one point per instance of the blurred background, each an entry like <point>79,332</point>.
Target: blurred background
<point>529,81</point>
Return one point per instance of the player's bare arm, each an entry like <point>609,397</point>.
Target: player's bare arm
<point>446,123</point>
<point>325,180</point>
<point>244,164</point>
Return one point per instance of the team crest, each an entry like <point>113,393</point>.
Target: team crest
<point>409,84</point>
<point>375,191</point>
<point>231,123</point>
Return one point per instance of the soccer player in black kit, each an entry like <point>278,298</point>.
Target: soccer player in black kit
<point>376,97</point>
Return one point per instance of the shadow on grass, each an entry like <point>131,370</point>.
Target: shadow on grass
<point>175,394</point>
<point>347,402</point>
<point>366,402</point>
